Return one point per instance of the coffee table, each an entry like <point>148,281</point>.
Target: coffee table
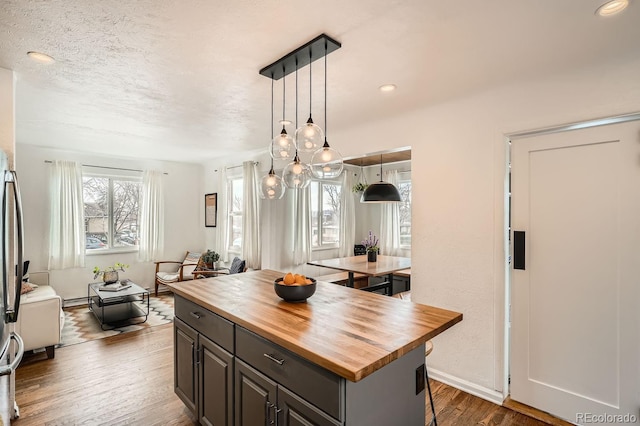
<point>113,307</point>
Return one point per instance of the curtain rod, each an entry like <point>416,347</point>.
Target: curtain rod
<point>255,163</point>
<point>111,168</point>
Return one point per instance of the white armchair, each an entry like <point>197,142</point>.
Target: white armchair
<point>40,318</point>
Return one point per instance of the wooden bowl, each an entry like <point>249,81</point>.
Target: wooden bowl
<point>294,293</point>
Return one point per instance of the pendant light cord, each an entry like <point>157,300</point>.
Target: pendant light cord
<point>284,91</point>
<point>272,135</point>
<point>310,80</point>
<point>325,90</point>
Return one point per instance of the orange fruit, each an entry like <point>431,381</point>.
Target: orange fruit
<point>288,279</point>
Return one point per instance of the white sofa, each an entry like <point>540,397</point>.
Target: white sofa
<point>40,318</point>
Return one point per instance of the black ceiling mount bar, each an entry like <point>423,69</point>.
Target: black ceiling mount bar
<point>303,55</point>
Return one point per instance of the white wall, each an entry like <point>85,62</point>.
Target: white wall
<point>458,171</point>
<point>184,223</point>
<point>7,113</point>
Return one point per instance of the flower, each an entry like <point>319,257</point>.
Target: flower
<point>116,267</point>
<point>371,243</point>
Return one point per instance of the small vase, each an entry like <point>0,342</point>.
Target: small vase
<point>372,256</point>
<point>110,277</point>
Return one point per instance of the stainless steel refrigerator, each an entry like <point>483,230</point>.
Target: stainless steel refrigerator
<point>12,271</point>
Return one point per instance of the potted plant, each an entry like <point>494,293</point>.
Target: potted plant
<point>359,187</point>
<point>371,245</point>
<point>110,273</point>
<point>211,258</point>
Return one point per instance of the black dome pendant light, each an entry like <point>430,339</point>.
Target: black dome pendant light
<point>381,192</point>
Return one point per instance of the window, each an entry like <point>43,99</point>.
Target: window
<point>325,214</point>
<point>404,186</point>
<point>235,203</point>
<point>110,212</point>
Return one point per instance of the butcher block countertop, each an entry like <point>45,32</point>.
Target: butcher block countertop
<point>350,332</point>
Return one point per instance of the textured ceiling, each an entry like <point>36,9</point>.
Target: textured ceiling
<point>179,80</point>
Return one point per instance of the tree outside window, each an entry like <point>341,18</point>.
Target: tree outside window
<point>110,212</point>
<point>325,214</point>
<point>404,186</point>
<point>235,203</point>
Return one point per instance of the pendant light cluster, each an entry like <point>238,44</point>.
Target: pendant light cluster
<point>310,142</point>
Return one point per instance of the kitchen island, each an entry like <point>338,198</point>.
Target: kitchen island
<point>243,356</point>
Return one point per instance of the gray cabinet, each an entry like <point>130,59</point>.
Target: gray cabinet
<point>261,401</point>
<point>185,341</point>
<point>227,375</point>
<point>256,397</point>
<point>215,384</point>
<point>203,375</point>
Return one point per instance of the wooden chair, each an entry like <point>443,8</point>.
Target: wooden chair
<point>182,273</point>
<point>237,266</point>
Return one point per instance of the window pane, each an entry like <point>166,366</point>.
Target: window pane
<point>110,212</point>
<point>96,212</point>
<point>325,214</point>
<point>314,189</point>
<point>405,213</point>
<point>331,214</point>
<point>125,213</point>
<point>235,188</point>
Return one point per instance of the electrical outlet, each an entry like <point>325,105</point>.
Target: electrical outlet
<point>420,374</point>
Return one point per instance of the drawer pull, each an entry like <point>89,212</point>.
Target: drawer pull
<point>274,359</point>
<point>196,315</point>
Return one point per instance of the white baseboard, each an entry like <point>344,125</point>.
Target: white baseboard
<point>464,385</point>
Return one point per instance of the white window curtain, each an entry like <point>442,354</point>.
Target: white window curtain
<point>222,237</point>
<point>298,215</point>
<point>390,221</point>
<point>66,226</point>
<point>151,243</point>
<point>347,215</point>
<point>251,248</point>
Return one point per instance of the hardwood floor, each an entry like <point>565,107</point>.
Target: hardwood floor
<point>128,380</point>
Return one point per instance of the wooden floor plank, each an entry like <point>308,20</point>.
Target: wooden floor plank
<point>127,379</point>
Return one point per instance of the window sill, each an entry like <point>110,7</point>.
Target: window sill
<point>111,251</point>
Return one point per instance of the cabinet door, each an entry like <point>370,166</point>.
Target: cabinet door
<point>216,384</point>
<point>255,396</point>
<point>185,341</point>
<point>295,411</point>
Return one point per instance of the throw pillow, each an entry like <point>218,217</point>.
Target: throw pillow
<point>237,266</point>
<point>26,288</point>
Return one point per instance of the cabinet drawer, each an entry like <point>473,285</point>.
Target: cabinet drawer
<point>322,388</point>
<point>211,325</point>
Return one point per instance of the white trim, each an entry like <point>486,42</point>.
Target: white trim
<point>468,387</point>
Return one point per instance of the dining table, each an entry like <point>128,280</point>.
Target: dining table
<point>384,266</point>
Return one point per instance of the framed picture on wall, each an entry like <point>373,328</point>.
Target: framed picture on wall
<point>210,209</point>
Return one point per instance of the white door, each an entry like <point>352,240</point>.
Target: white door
<point>575,308</point>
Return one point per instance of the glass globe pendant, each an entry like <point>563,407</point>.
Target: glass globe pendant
<point>271,187</point>
<point>326,162</point>
<point>296,175</point>
<point>309,136</point>
<point>283,147</point>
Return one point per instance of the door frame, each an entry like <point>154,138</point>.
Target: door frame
<point>509,139</point>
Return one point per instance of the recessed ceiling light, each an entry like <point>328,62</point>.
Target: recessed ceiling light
<point>612,7</point>
<point>41,57</point>
<point>387,88</point>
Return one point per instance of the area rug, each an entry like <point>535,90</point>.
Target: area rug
<point>81,325</point>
